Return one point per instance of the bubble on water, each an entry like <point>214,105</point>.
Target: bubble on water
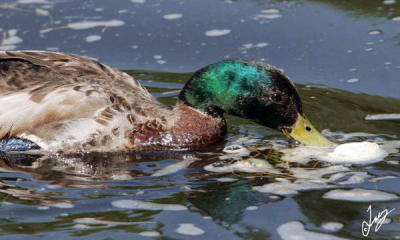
<point>359,195</point>
<point>92,38</point>
<point>189,229</point>
<point>173,16</point>
<point>375,32</point>
<point>217,32</point>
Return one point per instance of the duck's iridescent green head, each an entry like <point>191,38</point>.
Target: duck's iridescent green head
<point>252,90</point>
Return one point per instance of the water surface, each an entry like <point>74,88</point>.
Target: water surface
<point>342,55</point>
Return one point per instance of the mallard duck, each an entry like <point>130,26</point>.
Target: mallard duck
<point>59,102</point>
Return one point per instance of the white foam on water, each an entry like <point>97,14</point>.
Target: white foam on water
<point>226,179</point>
<point>43,207</point>
<point>396,18</point>
<point>286,187</point>
<point>173,16</point>
<point>235,151</point>
<point>389,2</point>
<point>136,204</point>
<point>268,16</point>
<point>10,41</point>
<point>295,231</point>
<point>62,205</point>
<point>352,80</point>
<point>121,176</point>
<point>95,221</point>
<point>32,1</point>
<point>92,38</point>
<point>189,229</point>
<point>252,208</point>
<point>375,32</point>
<point>217,32</point>
<point>249,165</point>
<point>359,195</point>
<point>80,226</point>
<point>392,116</point>
<point>149,234</point>
<point>236,159</point>
<point>92,24</point>
<point>332,226</point>
<point>254,45</point>
<point>42,12</point>
<point>270,11</point>
<point>173,168</point>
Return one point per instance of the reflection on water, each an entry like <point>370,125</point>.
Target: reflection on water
<point>95,194</point>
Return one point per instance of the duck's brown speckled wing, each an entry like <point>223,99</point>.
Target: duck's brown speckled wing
<point>44,95</point>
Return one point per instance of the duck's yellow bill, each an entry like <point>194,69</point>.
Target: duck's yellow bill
<point>304,132</point>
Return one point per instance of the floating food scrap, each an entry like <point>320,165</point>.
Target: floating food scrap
<point>347,153</point>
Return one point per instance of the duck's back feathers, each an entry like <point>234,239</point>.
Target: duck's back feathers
<point>55,98</point>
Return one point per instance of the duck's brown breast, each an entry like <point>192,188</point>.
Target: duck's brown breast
<point>190,129</point>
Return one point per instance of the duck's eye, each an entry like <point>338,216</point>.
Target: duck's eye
<point>308,129</point>
<point>276,98</point>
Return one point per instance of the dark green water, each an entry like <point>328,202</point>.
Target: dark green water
<point>320,44</point>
